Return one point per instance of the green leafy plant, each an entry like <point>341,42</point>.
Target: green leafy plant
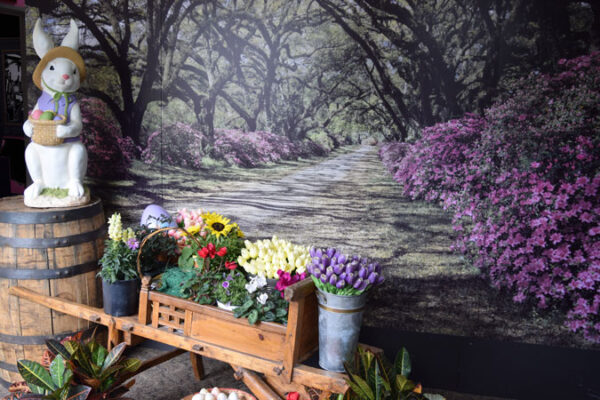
<point>79,371</point>
<point>118,262</point>
<point>262,303</point>
<point>372,377</point>
<point>95,366</point>
<point>231,289</point>
<point>54,383</point>
<point>120,252</point>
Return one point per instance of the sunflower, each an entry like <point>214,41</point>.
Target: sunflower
<point>217,224</point>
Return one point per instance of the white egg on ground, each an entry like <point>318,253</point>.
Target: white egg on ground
<point>233,396</point>
<point>215,392</point>
<point>222,396</point>
<point>209,396</point>
<point>198,396</point>
<point>204,391</point>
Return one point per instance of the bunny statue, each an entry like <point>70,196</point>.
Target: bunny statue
<point>62,165</point>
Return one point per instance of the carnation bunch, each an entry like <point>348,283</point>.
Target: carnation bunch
<point>266,257</point>
<point>339,274</point>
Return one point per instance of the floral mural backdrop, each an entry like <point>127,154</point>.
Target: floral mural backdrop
<point>454,141</point>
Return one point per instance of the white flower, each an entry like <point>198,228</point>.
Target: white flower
<point>251,287</point>
<point>262,299</point>
<point>260,281</point>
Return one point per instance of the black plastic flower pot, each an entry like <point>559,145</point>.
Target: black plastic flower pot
<point>121,298</point>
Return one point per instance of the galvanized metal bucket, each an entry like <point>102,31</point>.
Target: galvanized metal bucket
<point>340,318</point>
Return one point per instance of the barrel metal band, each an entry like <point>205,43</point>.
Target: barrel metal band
<point>50,217</point>
<point>37,274</point>
<point>47,243</point>
<point>8,367</point>
<point>336,310</point>
<point>4,384</point>
<point>41,339</point>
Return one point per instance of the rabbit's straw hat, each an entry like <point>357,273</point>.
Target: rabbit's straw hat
<point>57,52</point>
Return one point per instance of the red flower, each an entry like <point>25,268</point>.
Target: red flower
<point>230,265</point>
<point>211,251</point>
<point>208,251</point>
<point>293,396</point>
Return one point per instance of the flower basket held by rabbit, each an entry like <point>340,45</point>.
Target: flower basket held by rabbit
<point>56,158</point>
<point>44,131</point>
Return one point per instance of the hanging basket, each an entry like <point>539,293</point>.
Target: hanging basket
<point>44,132</point>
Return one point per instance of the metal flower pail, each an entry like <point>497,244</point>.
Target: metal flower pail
<point>340,318</point>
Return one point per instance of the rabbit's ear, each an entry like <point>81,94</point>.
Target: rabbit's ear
<point>72,38</point>
<point>42,43</point>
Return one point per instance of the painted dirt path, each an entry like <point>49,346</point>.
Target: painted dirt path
<point>352,203</point>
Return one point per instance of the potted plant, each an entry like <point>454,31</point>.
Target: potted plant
<point>261,303</point>
<point>120,281</point>
<point>74,370</point>
<point>342,284</point>
<point>230,292</point>
<point>372,377</point>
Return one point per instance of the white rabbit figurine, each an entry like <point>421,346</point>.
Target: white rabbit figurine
<point>58,75</point>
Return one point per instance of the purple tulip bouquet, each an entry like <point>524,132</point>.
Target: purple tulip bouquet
<point>342,275</point>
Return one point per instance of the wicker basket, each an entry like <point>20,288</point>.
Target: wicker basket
<point>44,132</point>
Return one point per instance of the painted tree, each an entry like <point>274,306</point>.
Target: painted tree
<point>127,39</point>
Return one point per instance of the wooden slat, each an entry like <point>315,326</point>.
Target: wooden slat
<point>257,386</point>
<point>144,311</point>
<point>292,338</point>
<point>197,365</point>
<point>242,337</point>
<point>155,313</point>
<point>170,312</point>
<point>210,311</point>
<point>283,388</point>
<point>308,336</point>
<point>299,289</point>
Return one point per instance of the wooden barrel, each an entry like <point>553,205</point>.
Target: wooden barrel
<point>51,251</point>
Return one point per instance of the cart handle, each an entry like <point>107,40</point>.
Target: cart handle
<point>139,255</point>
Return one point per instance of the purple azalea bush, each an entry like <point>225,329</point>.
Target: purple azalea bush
<point>109,153</point>
<point>523,183</point>
<point>339,274</point>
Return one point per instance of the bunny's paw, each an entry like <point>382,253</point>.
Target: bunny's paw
<point>76,189</point>
<point>33,191</point>
<point>28,128</point>
<point>63,131</point>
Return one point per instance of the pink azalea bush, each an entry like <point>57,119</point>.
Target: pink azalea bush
<point>251,149</point>
<point>109,153</point>
<point>523,184</point>
<point>179,144</point>
<point>392,153</point>
<point>182,145</point>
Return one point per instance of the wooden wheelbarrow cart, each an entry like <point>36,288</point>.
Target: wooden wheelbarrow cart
<point>274,350</point>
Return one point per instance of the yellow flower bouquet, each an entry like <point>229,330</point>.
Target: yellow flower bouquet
<point>266,257</point>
